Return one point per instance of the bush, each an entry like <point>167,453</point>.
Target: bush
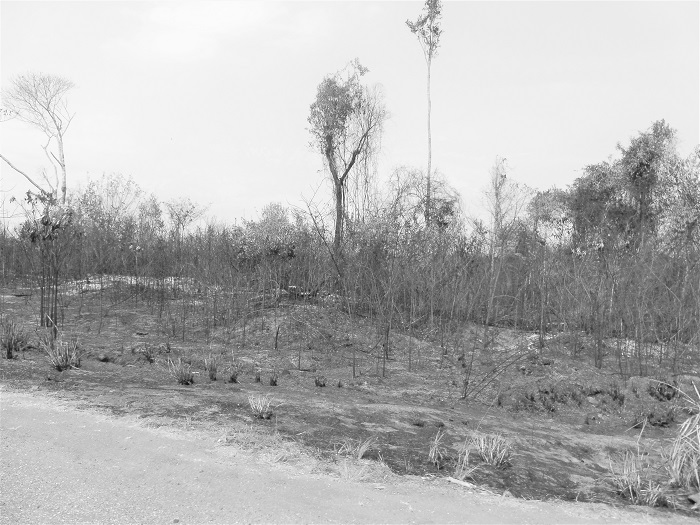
<point>12,339</point>
<point>356,448</point>
<point>61,354</point>
<point>320,381</point>
<point>210,365</point>
<point>261,406</point>
<point>437,451</point>
<point>683,462</point>
<point>181,371</point>
<point>273,378</point>
<point>233,373</point>
<point>632,480</point>
<point>493,449</point>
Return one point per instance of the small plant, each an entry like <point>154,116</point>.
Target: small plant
<point>12,339</point>
<point>61,354</point>
<point>258,373</point>
<point>632,480</point>
<point>683,461</point>
<point>233,374</point>
<point>273,378</point>
<point>210,365</point>
<point>462,468</point>
<point>149,353</point>
<point>493,449</point>
<point>356,448</point>
<point>181,371</point>
<point>261,406</point>
<point>320,381</point>
<point>436,455</point>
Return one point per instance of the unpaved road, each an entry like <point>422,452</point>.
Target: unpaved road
<point>63,465</point>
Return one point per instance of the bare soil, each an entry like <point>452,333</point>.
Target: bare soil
<point>565,419</point>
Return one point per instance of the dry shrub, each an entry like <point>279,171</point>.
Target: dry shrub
<point>683,461</point>
<point>261,406</point>
<point>210,365</point>
<point>355,448</point>
<point>493,449</point>
<point>12,339</point>
<point>62,355</point>
<point>181,371</point>
<point>632,479</point>
<point>437,451</point>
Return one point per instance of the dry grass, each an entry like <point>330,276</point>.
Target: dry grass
<point>355,448</point>
<point>632,479</point>
<point>211,365</point>
<point>437,451</point>
<point>12,339</point>
<point>260,406</point>
<point>181,371</point>
<point>683,461</point>
<point>463,469</point>
<point>62,355</point>
<point>493,449</point>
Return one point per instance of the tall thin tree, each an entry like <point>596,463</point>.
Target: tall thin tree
<point>427,29</point>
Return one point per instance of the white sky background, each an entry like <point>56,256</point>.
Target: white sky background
<point>209,100</point>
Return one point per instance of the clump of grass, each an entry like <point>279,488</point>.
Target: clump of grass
<point>320,381</point>
<point>62,355</point>
<point>356,448</point>
<point>261,406</point>
<point>463,469</point>
<point>437,451</point>
<point>273,378</point>
<point>632,480</point>
<point>12,339</point>
<point>233,373</point>
<point>210,365</point>
<point>181,371</point>
<point>258,373</point>
<point>683,461</point>
<point>149,353</point>
<point>493,449</point>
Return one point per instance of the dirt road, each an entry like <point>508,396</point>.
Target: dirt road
<point>63,465</point>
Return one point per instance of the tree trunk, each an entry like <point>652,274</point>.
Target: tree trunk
<point>430,151</point>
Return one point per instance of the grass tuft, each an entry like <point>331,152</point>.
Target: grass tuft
<point>683,461</point>
<point>181,371</point>
<point>260,405</point>
<point>210,365</point>
<point>632,480</point>
<point>437,451</point>
<point>356,448</point>
<point>62,355</point>
<point>493,449</point>
<point>12,339</point>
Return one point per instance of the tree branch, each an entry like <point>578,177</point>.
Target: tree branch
<point>22,173</point>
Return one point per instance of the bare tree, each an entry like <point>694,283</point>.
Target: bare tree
<point>427,29</point>
<point>346,122</point>
<point>40,99</point>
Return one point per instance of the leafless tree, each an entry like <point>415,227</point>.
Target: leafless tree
<point>40,100</point>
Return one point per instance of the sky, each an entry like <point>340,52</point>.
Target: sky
<point>209,100</point>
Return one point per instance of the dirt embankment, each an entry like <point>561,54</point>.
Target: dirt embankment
<point>63,465</point>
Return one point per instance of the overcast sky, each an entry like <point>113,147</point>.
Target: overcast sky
<point>209,100</point>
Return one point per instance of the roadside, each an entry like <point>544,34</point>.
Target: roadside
<point>59,464</point>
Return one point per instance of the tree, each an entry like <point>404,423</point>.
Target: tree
<point>427,29</point>
<point>346,122</point>
<point>40,100</point>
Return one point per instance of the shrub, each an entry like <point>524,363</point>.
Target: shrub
<point>436,454</point>
<point>493,449</point>
<point>210,365</point>
<point>273,378</point>
<point>683,461</point>
<point>233,374</point>
<point>356,448</point>
<point>258,372</point>
<point>12,339</point>
<point>663,391</point>
<point>61,354</point>
<point>320,381</point>
<point>462,468</point>
<point>261,406</point>
<point>632,480</point>
<point>149,353</point>
<point>181,371</point>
